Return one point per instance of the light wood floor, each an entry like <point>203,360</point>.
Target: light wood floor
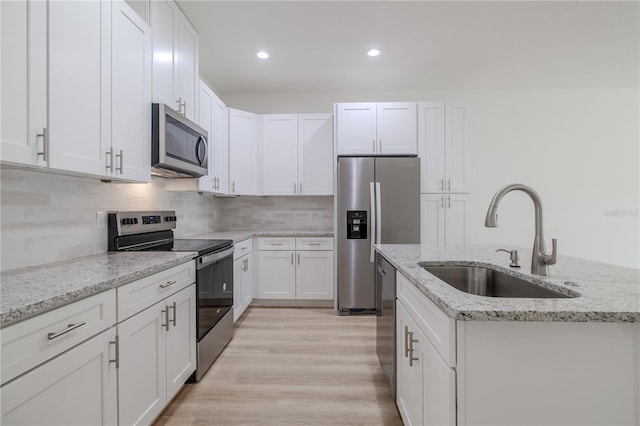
<point>291,366</point>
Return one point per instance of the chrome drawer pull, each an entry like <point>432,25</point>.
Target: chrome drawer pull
<point>167,284</point>
<point>69,328</point>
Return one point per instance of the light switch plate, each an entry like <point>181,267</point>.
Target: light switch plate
<point>101,220</point>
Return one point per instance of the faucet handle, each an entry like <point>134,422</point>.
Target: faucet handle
<point>551,259</point>
<point>513,257</point>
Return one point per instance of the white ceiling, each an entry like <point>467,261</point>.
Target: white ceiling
<point>428,45</point>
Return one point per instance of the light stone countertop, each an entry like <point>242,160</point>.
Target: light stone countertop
<point>608,293</point>
<point>27,292</point>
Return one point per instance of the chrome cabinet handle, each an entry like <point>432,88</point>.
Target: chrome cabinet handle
<point>380,145</point>
<point>43,135</point>
<point>298,258</point>
<point>109,166</point>
<point>449,201</point>
<point>233,186</point>
<point>69,328</point>
<point>442,202</point>
<point>167,284</point>
<point>411,350</point>
<point>117,345</point>
<point>121,156</point>
<point>406,341</point>
<point>174,313</point>
<point>441,184</point>
<point>184,104</point>
<point>300,188</point>
<point>373,145</point>
<point>449,184</point>
<point>179,102</point>
<point>165,312</point>
<point>292,258</point>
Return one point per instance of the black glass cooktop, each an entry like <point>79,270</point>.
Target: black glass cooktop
<point>200,246</point>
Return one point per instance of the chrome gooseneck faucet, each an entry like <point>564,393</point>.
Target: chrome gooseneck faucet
<point>540,259</point>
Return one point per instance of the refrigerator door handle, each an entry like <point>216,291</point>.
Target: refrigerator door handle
<point>378,214</point>
<point>372,237</point>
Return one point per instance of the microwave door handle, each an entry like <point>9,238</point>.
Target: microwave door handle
<point>201,140</point>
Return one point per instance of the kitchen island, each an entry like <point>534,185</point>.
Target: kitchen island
<point>468,359</point>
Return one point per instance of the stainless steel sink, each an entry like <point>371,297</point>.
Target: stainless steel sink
<point>487,282</point>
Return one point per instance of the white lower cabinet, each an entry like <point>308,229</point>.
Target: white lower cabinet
<point>157,355</point>
<point>425,383</point>
<point>76,388</point>
<point>242,278</point>
<point>295,268</point>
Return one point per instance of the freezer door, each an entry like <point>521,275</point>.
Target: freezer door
<point>399,198</point>
<point>356,281</point>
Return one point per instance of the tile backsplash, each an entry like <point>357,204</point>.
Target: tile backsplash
<point>48,217</point>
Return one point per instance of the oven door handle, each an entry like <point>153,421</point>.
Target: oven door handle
<point>204,261</point>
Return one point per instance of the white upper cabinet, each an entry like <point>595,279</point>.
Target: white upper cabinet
<point>444,139</point>
<point>175,59</point>
<point>79,91</point>
<point>387,128</point>
<point>219,147</point>
<point>131,94</point>
<point>297,154</point>
<point>243,147</point>
<point>24,81</point>
<point>315,154</point>
<point>279,150</point>
<point>82,91</point>
<point>205,120</point>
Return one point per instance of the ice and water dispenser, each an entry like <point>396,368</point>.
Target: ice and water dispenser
<point>356,224</point>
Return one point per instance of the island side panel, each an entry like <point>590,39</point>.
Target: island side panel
<point>548,373</point>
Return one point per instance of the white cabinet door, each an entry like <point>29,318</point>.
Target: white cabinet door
<point>397,131</point>
<point>315,154</point>
<point>277,275</point>
<point>131,94</point>
<point>181,339</point>
<point>24,78</point>
<point>432,146</point>
<point>444,219</point>
<point>205,120</point>
<point>438,385</point>
<point>356,128</point>
<point>314,275</point>
<point>243,146</point>
<point>77,388</point>
<point>432,223</point>
<point>238,277</point>
<point>187,68</point>
<point>79,85</point>
<point>456,218</point>
<point>142,391</point>
<point>279,150</point>
<point>409,396</point>
<point>219,146</point>
<point>165,17</point>
<point>247,282</point>
<point>458,154</point>
<point>444,140</point>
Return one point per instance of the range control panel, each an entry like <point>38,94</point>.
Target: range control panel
<point>127,223</point>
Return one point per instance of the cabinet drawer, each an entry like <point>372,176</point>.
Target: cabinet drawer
<point>314,243</point>
<point>140,294</point>
<point>242,248</point>
<point>277,243</point>
<point>34,341</point>
<point>439,328</point>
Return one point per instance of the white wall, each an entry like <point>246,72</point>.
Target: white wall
<point>579,149</point>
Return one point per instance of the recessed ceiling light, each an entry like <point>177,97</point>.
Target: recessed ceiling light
<point>262,54</point>
<point>374,52</point>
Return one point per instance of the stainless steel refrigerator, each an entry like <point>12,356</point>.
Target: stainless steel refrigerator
<point>378,203</point>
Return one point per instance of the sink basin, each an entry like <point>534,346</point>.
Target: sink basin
<point>487,282</point>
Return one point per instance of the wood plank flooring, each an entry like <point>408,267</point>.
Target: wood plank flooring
<point>291,366</point>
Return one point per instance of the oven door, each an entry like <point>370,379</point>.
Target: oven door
<point>214,284</point>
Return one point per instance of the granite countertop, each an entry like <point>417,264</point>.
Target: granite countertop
<point>27,292</point>
<point>607,293</point>
<point>238,236</point>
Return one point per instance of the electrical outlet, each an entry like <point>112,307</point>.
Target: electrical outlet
<point>101,220</point>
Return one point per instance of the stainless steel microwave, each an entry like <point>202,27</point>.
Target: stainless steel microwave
<point>178,145</point>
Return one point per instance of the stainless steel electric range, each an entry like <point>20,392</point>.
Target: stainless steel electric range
<point>153,231</point>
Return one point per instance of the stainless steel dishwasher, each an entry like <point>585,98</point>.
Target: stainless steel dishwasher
<point>386,319</point>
